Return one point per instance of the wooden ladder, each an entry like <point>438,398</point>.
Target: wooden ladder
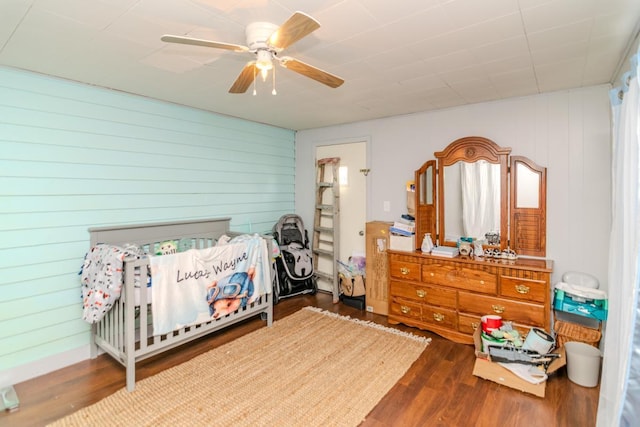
<point>326,223</point>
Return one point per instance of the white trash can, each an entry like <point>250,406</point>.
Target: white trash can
<point>583,363</point>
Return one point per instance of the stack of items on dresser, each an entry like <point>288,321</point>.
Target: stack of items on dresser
<point>403,234</point>
<point>445,251</point>
<point>505,356</point>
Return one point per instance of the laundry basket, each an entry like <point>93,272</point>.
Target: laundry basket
<point>569,331</point>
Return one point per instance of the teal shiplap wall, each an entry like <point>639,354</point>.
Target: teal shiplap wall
<point>74,156</point>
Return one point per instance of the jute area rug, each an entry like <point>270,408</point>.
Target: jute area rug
<point>312,368</point>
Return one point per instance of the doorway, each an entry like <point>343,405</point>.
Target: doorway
<point>353,198</point>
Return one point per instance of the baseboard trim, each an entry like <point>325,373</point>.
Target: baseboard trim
<point>44,366</point>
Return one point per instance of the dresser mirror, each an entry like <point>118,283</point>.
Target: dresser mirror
<point>472,199</point>
<point>426,201</point>
<point>427,184</point>
<point>477,189</point>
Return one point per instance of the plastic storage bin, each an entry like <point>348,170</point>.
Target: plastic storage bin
<point>591,303</point>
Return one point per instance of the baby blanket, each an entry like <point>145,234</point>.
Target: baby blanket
<point>101,278</point>
<point>203,284</point>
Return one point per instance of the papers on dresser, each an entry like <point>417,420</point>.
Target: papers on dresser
<point>400,231</point>
<point>445,251</point>
<point>405,225</point>
<point>403,228</point>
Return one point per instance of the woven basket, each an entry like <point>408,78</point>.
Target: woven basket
<point>567,331</point>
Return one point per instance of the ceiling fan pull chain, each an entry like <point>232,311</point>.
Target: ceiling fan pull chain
<point>255,73</point>
<point>273,92</point>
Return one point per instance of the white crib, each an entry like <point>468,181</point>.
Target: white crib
<point>126,332</point>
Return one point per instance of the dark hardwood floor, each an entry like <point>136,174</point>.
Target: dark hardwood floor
<point>438,390</point>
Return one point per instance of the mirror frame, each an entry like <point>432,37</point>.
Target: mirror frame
<point>528,225</point>
<point>426,213</point>
<point>521,229</point>
<point>471,149</point>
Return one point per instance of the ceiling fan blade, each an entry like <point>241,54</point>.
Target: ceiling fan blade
<point>244,80</point>
<point>206,43</point>
<point>296,27</point>
<point>311,72</point>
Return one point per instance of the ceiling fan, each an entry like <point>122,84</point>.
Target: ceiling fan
<point>266,41</point>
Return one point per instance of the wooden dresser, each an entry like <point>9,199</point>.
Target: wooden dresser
<point>448,296</point>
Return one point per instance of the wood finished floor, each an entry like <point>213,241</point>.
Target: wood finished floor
<point>438,390</point>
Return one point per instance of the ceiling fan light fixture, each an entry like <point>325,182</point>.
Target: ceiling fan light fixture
<point>264,60</point>
<point>263,63</point>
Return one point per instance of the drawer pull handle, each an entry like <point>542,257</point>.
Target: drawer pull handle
<point>438,317</point>
<point>482,282</point>
<point>404,270</point>
<point>498,308</point>
<point>421,293</point>
<point>475,325</point>
<point>404,309</point>
<point>432,274</point>
<point>522,289</point>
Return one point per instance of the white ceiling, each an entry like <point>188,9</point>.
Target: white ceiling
<point>396,57</point>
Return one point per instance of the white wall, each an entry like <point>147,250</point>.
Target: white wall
<point>567,131</point>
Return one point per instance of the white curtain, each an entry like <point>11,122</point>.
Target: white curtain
<point>480,198</point>
<point>620,388</point>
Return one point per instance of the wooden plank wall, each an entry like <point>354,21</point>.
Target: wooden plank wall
<point>74,156</point>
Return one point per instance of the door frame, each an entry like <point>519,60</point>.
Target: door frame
<point>367,156</point>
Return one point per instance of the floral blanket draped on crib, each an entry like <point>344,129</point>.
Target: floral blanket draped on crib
<point>203,284</point>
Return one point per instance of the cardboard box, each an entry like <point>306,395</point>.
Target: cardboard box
<point>411,198</point>
<point>402,243</point>
<point>377,267</point>
<point>488,370</point>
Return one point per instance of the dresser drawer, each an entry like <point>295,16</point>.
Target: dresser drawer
<point>440,316</point>
<point>404,308</point>
<point>468,323</point>
<point>515,311</point>
<point>524,289</point>
<point>404,270</point>
<point>432,295</point>
<point>460,277</point>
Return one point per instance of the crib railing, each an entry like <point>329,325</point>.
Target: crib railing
<point>126,331</point>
